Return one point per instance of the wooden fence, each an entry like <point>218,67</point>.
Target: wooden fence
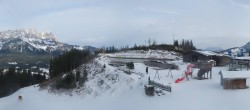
<point>161,86</point>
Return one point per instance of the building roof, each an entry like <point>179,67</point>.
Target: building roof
<point>209,53</point>
<point>205,53</point>
<point>236,74</point>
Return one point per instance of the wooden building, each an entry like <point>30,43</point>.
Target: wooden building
<point>239,63</point>
<point>234,79</point>
<point>194,56</point>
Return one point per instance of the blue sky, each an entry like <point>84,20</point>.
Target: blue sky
<point>210,23</point>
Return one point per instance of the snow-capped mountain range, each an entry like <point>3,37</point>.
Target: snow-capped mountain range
<point>233,52</point>
<point>31,41</point>
<point>238,51</point>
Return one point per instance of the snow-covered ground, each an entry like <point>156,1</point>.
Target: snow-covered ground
<point>114,90</point>
<point>154,54</point>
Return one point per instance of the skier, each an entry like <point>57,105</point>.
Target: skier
<point>20,98</point>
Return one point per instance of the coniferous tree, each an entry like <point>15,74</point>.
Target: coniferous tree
<point>149,41</point>
<point>135,46</point>
<point>187,45</point>
<point>51,66</point>
<point>176,43</point>
<point>154,42</point>
<point>29,78</point>
<point>78,75</point>
<point>85,75</point>
<point>1,78</point>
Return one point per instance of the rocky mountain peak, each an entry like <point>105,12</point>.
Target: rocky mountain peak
<point>30,41</point>
<point>33,41</point>
<point>27,33</point>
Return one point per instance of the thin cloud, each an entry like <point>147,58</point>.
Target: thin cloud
<point>241,3</point>
<point>160,11</point>
<point>117,22</point>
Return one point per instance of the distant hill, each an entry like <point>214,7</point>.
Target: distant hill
<point>236,51</point>
<point>247,46</point>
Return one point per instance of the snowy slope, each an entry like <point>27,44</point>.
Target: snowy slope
<point>153,54</point>
<point>120,91</point>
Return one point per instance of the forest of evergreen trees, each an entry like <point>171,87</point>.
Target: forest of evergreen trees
<point>65,64</point>
<point>177,46</point>
<point>186,45</point>
<point>13,79</point>
<point>111,49</point>
<point>68,61</point>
